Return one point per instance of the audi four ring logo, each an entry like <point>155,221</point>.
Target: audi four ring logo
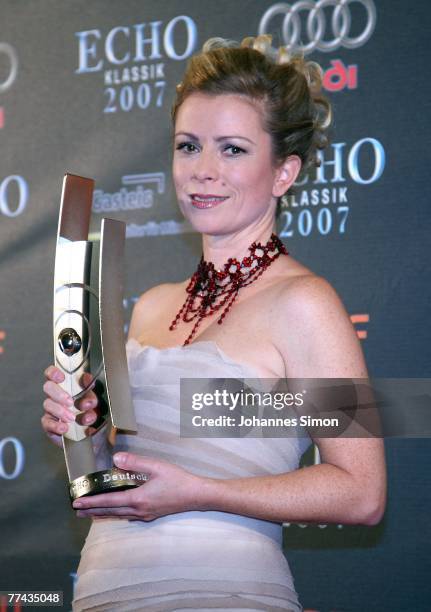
<point>318,33</point>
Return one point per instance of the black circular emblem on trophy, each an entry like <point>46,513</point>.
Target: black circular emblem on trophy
<point>88,337</point>
<point>69,341</point>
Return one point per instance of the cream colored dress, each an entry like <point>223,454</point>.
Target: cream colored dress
<point>190,560</point>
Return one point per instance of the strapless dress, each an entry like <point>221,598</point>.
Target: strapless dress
<point>197,560</point>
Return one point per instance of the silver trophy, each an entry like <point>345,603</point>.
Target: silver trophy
<point>88,333</point>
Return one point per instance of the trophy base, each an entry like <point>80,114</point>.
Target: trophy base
<point>105,481</point>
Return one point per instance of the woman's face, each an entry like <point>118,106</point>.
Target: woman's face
<point>222,168</point>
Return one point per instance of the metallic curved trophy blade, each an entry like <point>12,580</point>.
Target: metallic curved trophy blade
<point>111,293</point>
<point>75,208</point>
<point>80,342</point>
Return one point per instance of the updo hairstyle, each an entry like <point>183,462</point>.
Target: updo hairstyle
<point>295,113</point>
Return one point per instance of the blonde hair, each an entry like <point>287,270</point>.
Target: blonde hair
<point>296,114</point>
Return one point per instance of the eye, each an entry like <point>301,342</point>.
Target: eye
<point>187,147</point>
<point>234,150</point>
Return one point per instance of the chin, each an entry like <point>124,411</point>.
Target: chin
<point>208,221</point>
<point>211,229</point>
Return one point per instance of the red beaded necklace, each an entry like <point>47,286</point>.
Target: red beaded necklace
<point>213,289</point>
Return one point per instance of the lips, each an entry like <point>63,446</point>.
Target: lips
<point>200,200</point>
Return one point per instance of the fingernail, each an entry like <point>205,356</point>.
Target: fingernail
<point>77,504</point>
<point>119,458</point>
<point>70,416</point>
<point>69,400</point>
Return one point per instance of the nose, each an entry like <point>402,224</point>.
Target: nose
<point>205,166</point>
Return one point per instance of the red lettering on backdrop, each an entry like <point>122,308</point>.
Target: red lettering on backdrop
<point>360,318</point>
<point>340,76</point>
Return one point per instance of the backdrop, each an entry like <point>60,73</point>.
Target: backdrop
<point>86,87</point>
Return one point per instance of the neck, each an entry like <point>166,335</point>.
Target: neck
<point>218,249</point>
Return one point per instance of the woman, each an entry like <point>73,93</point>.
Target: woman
<point>205,531</point>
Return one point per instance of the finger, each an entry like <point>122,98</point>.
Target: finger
<point>116,499</point>
<point>54,373</point>
<point>87,380</point>
<point>58,411</point>
<point>88,401</point>
<point>56,393</point>
<point>137,463</point>
<point>53,427</point>
<point>87,418</point>
<point>107,512</point>
<point>113,518</point>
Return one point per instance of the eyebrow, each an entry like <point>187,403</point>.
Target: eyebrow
<point>219,139</point>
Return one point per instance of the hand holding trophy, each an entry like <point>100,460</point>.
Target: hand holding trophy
<point>88,339</point>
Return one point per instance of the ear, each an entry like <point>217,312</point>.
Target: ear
<point>285,175</point>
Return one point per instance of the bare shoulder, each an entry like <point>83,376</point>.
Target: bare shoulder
<point>316,336</point>
<point>308,293</point>
<point>150,303</point>
<point>157,293</point>
<point>298,287</point>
